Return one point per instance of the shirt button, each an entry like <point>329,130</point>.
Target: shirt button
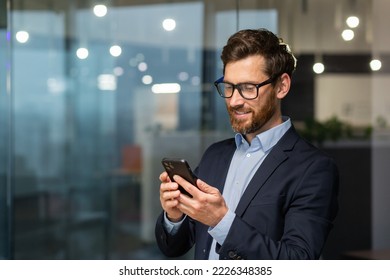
<point>248,155</point>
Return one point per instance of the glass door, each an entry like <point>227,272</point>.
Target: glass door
<point>5,129</point>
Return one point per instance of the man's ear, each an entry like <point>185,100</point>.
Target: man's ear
<point>283,86</point>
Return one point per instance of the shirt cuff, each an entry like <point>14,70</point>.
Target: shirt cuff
<point>220,231</point>
<point>171,227</point>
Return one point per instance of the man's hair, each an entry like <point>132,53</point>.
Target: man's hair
<point>278,56</point>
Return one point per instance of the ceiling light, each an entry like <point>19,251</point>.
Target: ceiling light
<point>169,24</point>
<point>143,66</point>
<point>318,68</point>
<point>100,10</point>
<point>118,71</point>
<point>166,88</point>
<point>22,36</point>
<point>82,53</point>
<point>115,50</point>
<point>106,82</point>
<point>375,64</point>
<point>352,21</point>
<point>183,76</point>
<point>348,34</point>
<point>147,80</point>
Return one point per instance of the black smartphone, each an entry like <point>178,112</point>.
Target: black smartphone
<point>178,166</point>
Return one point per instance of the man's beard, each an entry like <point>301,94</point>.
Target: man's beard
<point>258,118</point>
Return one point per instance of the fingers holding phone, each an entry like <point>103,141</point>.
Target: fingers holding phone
<point>200,201</point>
<point>177,166</point>
<point>206,205</point>
<point>169,194</point>
<point>187,188</point>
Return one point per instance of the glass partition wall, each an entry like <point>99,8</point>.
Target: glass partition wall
<point>94,93</point>
<point>5,141</point>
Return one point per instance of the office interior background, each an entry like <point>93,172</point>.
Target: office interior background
<point>94,93</point>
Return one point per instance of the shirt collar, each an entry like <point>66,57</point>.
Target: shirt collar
<point>267,139</point>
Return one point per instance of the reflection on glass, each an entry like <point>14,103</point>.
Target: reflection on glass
<point>89,132</point>
<point>166,88</point>
<point>107,82</point>
<point>147,79</point>
<point>88,124</point>
<point>82,53</point>
<point>169,24</point>
<point>22,36</point>
<point>115,50</point>
<point>100,10</point>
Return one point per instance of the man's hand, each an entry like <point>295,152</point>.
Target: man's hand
<point>206,205</point>
<point>169,195</point>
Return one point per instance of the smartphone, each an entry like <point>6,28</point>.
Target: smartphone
<point>178,166</point>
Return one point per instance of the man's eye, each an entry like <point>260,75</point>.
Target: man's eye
<point>248,87</point>
<point>228,86</point>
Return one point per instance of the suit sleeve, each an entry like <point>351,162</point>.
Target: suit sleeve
<point>177,244</point>
<point>306,220</point>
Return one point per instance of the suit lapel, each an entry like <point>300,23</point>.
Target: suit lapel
<point>270,164</point>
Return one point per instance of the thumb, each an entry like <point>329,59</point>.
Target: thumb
<point>204,187</point>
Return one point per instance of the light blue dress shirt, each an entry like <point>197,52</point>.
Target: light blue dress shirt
<point>245,162</point>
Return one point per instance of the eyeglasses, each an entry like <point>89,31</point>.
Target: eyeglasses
<point>246,90</point>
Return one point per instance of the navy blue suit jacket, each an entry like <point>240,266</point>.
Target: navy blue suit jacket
<point>286,212</point>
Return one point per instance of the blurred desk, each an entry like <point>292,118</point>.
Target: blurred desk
<point>368,255</point>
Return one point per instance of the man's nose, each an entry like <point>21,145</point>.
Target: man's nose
<point>236,98</point>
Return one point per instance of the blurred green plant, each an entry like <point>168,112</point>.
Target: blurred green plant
<point>333,129</point>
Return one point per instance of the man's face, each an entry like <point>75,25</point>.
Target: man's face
<point>250,117</point>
